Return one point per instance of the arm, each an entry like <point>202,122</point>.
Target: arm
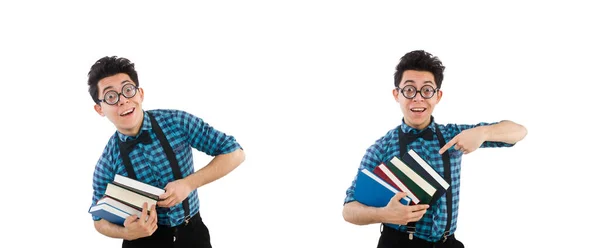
<point>504,131</point>
<point>218,167</point>
<point>471,139</point>
<point>110,230</point>
<point>395,212</point>
<point>228,155</point>
<point>360,214</point>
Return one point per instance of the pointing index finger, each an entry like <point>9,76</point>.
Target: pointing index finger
<point>448,145</point>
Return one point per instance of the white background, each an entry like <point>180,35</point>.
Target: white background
<point>305,87</point>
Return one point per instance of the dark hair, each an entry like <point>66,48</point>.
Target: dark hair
<point>106,67</point>
<point>420,60</point>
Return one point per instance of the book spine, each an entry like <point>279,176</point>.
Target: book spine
<point>423,196</point>
<point>124,203</point>
<point>398,183</point>
<point>426,186</point>
<point>412,156</point>
<point>128,196</point>
<point>137,191</point>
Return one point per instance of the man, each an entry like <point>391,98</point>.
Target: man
<point>417,82</point>
<point>154,147</point>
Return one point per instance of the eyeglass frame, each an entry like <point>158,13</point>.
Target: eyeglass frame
<point>400,90</point>
<point>119,94</point>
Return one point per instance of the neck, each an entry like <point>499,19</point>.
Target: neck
<point>136,129</point>
<point>419,126</point>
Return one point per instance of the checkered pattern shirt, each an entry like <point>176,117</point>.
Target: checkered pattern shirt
<point>150,163</point>
<point>433,224</point>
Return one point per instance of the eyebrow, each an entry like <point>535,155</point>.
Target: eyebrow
<point>110,87</point>
<point>412,81</point>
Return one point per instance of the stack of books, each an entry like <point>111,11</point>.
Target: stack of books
<point>411,175</point>
<point>125,197</point>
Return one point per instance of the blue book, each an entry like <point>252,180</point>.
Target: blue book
<point>372,191</point>
<point>109,213</point>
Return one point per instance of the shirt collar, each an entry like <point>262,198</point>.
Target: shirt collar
<point>408,129</point>
<point>146,126</point>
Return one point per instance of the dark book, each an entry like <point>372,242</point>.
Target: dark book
<point>423,196</point>
<point>421,167</point>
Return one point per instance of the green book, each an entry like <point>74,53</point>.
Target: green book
<point>419,192</point>
<point>418,179</point>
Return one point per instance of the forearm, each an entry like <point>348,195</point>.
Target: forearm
<point>218,167</point>
<point>360,214</point>
<point>504,131</point>
<point>110,230</point>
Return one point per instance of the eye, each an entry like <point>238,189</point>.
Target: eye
<point>129,90</point>
<point>409,90</point>
<point>110,96</point>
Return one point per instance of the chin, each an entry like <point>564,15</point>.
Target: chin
<point>418,121</point>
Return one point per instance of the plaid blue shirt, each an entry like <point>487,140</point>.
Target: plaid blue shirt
<point>433,224</point>
<point>150,163</point>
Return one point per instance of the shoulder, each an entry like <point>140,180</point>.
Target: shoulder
<point>167,113</point>
<point>110,152</point>
<point>388,139</point>
<point>391,134</point>
<point>172,115</point>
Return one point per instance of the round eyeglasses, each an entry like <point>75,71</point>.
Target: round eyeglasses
<point>112,97</point>
<point>410,91</point>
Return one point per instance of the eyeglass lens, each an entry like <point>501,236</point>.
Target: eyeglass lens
<point>112,97</point>
<point>410,91</point>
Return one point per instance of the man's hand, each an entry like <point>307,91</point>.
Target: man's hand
<point>466,141</point>
<point>175,193</point>
<point>145,226</point>
<point>397,213</point>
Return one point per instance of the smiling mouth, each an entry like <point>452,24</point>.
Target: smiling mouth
<point>127,112</point>
<point>418,110</point>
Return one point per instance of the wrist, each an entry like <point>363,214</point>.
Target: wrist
<point>379,214</point>
<point>127,235</point>
<point>485,132</point>
<point>190,182</point>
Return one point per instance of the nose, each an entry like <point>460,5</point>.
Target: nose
<point>418,97</point>
<point>122,99</point>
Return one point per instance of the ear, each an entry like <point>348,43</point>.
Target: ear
<point>141,94</point>
<point>98,109</point>
<point>439,95</point>
<point>396,95</point>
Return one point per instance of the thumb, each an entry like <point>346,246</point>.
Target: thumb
<point>398,196</point>
<point>168,192</point>
<point>130,219</point>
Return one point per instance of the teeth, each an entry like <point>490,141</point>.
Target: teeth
<point>418,109</point>
<point>127,112</point>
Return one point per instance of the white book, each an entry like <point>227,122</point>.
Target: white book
<point>428,168</point>
<point>428,188</point>
<point>139,187</point>
<point>128,196</point>
<point>119,205</point>
<point>398,183</point>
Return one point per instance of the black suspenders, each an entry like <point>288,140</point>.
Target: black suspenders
<point>170,156</point>
<point>411,226</point>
